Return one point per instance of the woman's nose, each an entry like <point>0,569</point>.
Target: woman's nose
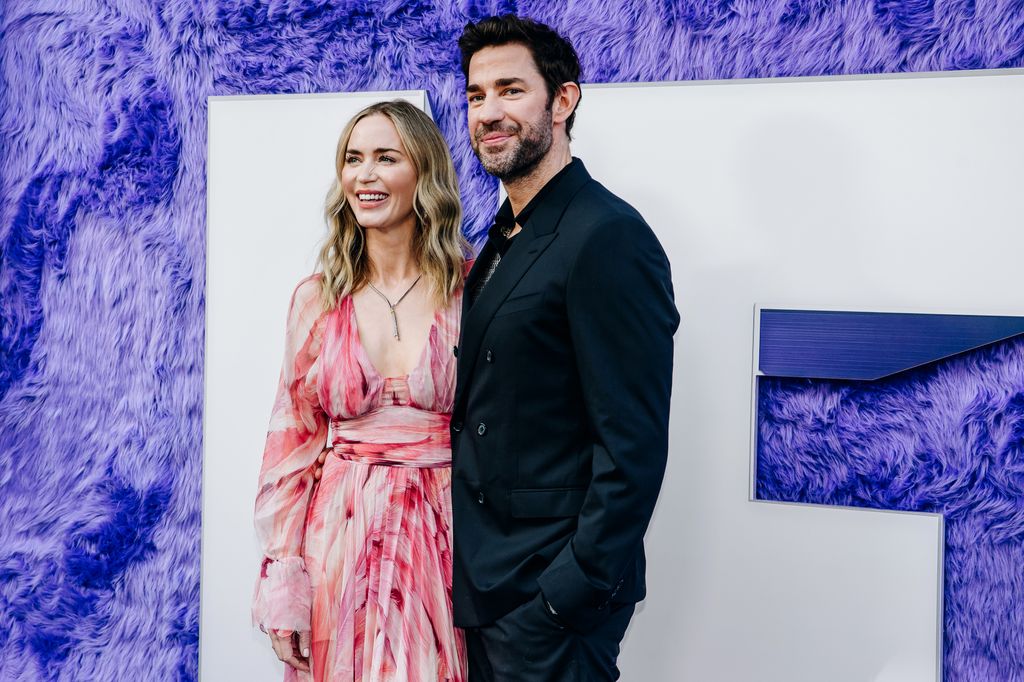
<point>367,171</point>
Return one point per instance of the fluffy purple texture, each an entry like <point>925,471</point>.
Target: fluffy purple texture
<point>102,206</point>
<point>946,438</point>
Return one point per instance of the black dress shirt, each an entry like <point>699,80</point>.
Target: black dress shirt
<point>499,235</point>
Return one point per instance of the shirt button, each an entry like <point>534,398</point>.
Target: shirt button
<point>490,356</point>
<point>480,497</point>
<point>482,429</point>
<point>456,426</point>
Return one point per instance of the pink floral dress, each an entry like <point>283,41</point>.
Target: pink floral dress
<point>364,558</point>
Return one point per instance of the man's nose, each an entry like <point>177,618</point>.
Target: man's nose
<point>490,110</point>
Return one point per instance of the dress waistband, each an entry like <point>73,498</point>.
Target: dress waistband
<point>401,436</point>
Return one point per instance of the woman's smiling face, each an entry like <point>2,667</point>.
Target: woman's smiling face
<point>378,177</point>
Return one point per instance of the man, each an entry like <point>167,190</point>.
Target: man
<point>560,423</point>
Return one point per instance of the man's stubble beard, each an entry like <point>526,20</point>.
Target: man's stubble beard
<point>534,143</point>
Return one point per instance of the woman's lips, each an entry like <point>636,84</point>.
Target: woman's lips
<point>371,199</point>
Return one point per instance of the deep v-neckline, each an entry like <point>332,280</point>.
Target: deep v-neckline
<point>368,362</point>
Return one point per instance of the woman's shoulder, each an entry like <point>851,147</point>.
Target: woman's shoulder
<point>307,299</point>
<point>308,288</point>
<point>310,282</point>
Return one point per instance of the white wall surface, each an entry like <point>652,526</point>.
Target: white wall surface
<point>876,193</point>
<point>869,193</point>
<point>270,164</point>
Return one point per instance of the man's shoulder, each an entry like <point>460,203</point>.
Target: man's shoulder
<point>596,208</point>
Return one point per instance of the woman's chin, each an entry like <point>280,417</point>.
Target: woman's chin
<point>382,223</point>
<point>372,222</point>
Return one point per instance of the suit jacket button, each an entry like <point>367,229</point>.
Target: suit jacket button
<point>480,497</point>
<point>490,356</point>
<point>482,429</point>
<point>456,426</point>
<point>455,351</point>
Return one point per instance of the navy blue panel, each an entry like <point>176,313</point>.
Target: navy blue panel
<point>825,344</point>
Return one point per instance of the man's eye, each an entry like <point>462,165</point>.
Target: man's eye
<point>473,99</point>
<point>513,91</point>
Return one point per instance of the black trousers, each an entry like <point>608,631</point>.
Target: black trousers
<point>529,645</point>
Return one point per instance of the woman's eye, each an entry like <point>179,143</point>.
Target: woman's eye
<point>351,159</point>
<point>387,159</point>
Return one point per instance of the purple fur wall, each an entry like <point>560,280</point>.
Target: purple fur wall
<point>945,438</point>
<point>102,205</point>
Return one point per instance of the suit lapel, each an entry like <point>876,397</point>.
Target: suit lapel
<point>517,260</point>
<point>538,233</point>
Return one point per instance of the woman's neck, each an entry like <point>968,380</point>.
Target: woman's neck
<point>391,258</point>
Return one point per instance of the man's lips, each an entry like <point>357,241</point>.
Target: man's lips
<point>495,138</point>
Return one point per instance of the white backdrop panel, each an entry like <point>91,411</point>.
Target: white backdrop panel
<point>868,193</point>
<point>884,193</point>
<point>270,164</point>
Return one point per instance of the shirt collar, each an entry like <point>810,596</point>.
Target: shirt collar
<point>505,220</point>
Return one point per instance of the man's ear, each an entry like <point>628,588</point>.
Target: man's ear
<point>566,99</point>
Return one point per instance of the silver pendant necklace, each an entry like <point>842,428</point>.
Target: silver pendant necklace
<point>392,306</point>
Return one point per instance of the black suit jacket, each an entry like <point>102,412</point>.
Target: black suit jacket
<point>560,423</point>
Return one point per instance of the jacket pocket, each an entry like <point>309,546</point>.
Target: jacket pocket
<point>539,503</point>
<point>520,303</point>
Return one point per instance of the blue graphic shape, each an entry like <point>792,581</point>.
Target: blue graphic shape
<point>862,346</point>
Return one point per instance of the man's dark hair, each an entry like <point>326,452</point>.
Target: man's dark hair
<point>554,55</point>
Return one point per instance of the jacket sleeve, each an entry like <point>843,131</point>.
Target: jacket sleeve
<point>297,433</point>
<point>621,318</point>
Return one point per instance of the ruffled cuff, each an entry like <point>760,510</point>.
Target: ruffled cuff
<point>283,598</point>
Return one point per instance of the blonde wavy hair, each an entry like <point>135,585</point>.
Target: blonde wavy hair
<point>438,244</point>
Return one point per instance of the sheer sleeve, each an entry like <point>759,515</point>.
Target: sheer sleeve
<point>297,433</point>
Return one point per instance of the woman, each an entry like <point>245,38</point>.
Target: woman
<point>356,583</point>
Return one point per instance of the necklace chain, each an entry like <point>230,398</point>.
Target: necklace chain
<point>392,306</point>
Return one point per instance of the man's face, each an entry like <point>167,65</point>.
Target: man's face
<point>509,111</point>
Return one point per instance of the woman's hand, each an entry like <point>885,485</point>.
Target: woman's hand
<point>292,647</point>
<point>318,471</point>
